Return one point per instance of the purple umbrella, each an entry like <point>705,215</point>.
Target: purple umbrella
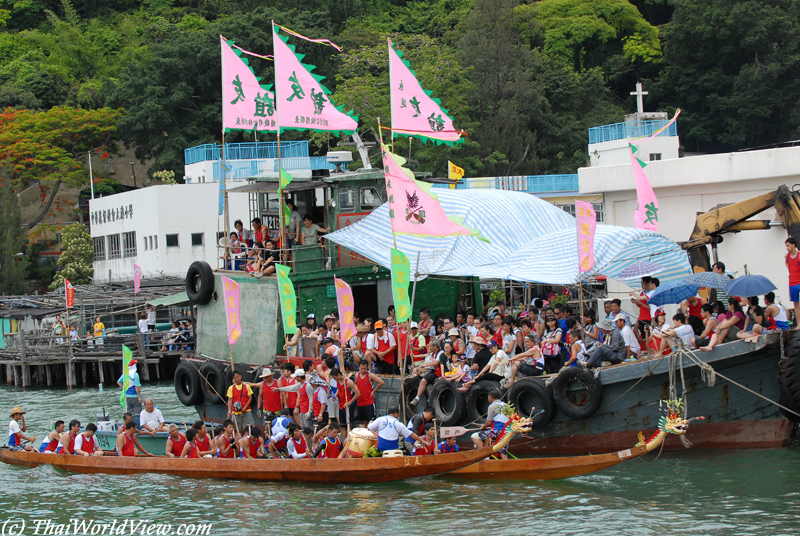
<point>640,269</point>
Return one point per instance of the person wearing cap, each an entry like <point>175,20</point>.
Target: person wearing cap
<point>382,352</point>
<point>133,395</point>
<point>482,354</point>
<point>416,345</point>
<point>239,397</point>
<point>311,320</point>
<point>631,343</point>
<point>269,397</point>
<point>612,349</point>
<point>328,348</point>
<point>15,435</point>
<point>529,362</point>
<point>497,369</point>
<point>431,369</point>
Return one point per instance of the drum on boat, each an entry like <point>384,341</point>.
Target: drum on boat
<point>359,442</point>
<point>393,453</point>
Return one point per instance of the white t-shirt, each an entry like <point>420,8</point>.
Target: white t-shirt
<point>389,428</point>
<point>151,317</point>
<point>143,325</point>
<point>375,339</point>
<point>473,331</point>
<point>13,428</point>
<point>502,368</point>
<point>79,443</point>
<point>686,333</point>
<point>630,339</point>
<point>152,419</point>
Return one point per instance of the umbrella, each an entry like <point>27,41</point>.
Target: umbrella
<point>750,285</point>
<point>673,292</point>
<point>641,269</point>
<point>707,279</point>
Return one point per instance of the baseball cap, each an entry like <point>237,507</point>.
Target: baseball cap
<point>619,317</point>
<point>660,311</point>
<point>311,315</point>
<point>298,372</point>
<point>492,344</point>
<point>413,325</point>
<point>379,324</point>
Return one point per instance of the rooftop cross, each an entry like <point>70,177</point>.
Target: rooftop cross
<point>639,94</point>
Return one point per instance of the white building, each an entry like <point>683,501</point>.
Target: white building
<point>163,229</point>
<point>686,186</point>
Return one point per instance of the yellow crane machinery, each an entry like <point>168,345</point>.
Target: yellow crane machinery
<point>710,226</point>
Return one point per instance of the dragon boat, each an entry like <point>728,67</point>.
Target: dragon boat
<point>312,471</point>
<point>569,466</point>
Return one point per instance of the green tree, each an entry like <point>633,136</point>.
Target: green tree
<point>76,257</point>
<point>12,240</point>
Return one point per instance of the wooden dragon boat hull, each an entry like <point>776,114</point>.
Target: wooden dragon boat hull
<point>545,468</point>
<point>319,471</point>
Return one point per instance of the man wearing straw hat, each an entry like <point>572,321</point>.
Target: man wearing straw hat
<point>15,436</point>
<point>613,347</point>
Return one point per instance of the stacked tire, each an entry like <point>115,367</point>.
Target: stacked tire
<point>532,399</point>
<point>449,404</point>
<point>790,380</point>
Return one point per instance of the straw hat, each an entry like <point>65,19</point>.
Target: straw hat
<point>605,325</point>
<point>266,372</point>
<point>16,410</point>
<point>478,340</point>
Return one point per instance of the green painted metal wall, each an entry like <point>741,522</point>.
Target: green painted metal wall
<point>261,328</point>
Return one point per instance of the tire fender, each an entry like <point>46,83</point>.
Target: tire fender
<point>586,406</point>
<point>187,384</point>
<point>199,283</point>
<point>532,399</point>
<point>448,403</point>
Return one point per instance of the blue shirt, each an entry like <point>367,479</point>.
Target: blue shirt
<point>132,385</point>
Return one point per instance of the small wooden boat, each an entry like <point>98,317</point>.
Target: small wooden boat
<point>319,471</point>
<point>569,466</point>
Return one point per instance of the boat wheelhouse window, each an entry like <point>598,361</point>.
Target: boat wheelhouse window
<point>112,242</point>
<point>269,202</point>
<point>172,240</point>
<point>99,248</point>
<point>370,199</point>
<point>197,239</point>
<point>129,244</point>
<point>347,200</point>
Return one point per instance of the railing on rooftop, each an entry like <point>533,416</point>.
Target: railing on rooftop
<point>630,129</point>
<point>245,151</point>
<point>532,184</point>
<point>239,170</point>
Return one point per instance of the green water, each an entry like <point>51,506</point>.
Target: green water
<point>690,492</point>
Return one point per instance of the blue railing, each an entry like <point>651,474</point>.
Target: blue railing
<point>245,151</point>
<point>532,184</point>
<point>630,129</point>
<point>304,162</point>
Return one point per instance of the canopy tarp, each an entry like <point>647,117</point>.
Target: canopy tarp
<point>531,240</point>
<point>175,299</point>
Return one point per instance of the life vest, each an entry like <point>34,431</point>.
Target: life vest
<point>417,350</point>
<point>365,388</point>
<point>253,448</point>
<point>425,329</point>
<point>177,446</point>
<point>203,445</point>
<point>300,447</point>
<point>50,445</point>
<point>88,445</point>
<point>291,398</point>
<point>383,345</point>
<point>500,420</point>
<point>270,400</point>
<point>425,449</point>
<point>316,404</point>
<point>302,398</point>
<point>239,394</point>
<point>331,449</point>
<point>127,448</point>
<point>231,452</point>
<point>71,445</point>
<point>13,438</point>
<point>447,450</point>
<point>420,431</point>
<point>280,444</point>
<point>194,450</point>
<point>695,310</point>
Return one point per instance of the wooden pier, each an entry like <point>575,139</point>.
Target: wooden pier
<point>43,359</point>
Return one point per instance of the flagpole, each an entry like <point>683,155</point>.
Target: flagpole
<point>91,180</point>
<point>391,112</point>
<point>278,120</point>
<point>226,223</point>
<point>580,278</point>
<point>410,317</point>
<point>391,221</point>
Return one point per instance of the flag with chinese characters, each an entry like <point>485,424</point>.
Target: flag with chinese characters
<point>137,278</point>
<point>69,293</point>
<point>344,298</point>
<point>231,294</point>
<point>246,103</point>
<point>414,112</point>
<point>454,173</point>
<point>586,219</point>
<point>401,277</point>
<point>288,299</point>
<point>414,208</point>
<point>646,215</point>
<point>127,356</point>
<point>303,103</point>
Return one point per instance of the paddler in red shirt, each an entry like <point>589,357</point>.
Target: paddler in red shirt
<point>175,442</point>
<point>127,442</point>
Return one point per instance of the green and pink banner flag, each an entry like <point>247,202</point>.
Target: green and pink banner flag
<point>401,277</point>
<point>586,219</point>
<point>344,298</point>
<point>646,214</point>
<point>303,103</point>
<point>127,356</point>
<point>232,292</point>
<point>414,112</point>
<point>288,299</point>
<point>246,103</point>
<point>414,208</point>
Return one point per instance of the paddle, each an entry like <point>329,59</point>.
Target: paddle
<point>453,431</point>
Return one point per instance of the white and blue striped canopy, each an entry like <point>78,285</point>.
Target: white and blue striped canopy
<point>531,240</point>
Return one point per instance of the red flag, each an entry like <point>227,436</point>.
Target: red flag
<point>69,291</point>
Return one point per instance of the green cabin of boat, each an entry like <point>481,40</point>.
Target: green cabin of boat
<point>334,201</point>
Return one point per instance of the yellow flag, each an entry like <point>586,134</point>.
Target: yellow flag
<point>454,173</point>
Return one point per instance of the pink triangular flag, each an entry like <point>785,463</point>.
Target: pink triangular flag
<point>246,104</point>
<point>414,208</point>
<point>646,214</point>
<point>303,103</point>
<point>414,112</point>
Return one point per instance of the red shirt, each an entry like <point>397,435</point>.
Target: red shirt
<point>402,344</point>
<point>194,450</point>
<point>231,452</point>
<point>253,447</point>
<point>644,310</point>
<point>203,445</point>
<point>302,398</point>
<point>270,400</point>
<point>127,448</point>
<point>383,345</point>
<point>291,398</point>
<point>794,269</point>
<point>177,446</point>
<point>365,388</point>
<point>331,449</point>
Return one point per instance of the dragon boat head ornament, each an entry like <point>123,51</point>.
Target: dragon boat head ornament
<point>672,422</point>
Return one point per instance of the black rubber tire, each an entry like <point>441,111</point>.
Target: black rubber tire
<point>790,384</point>
<point>448,403</point>
<point>592,385</point>
<point>187,384</point>
<point>410,387</point>
<point>214,374</point>
<point>477,400</point>
<point>532,399</point>
<point>199,283</point>
<point>784,401</point>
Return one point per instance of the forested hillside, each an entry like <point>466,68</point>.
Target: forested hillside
<point>524,79</point>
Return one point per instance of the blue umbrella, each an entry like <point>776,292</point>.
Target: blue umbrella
<point>707,279</point>
<point>641,269</point>
<point>673,292</point>
<point>750,285</point>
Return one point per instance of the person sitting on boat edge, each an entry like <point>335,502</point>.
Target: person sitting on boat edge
<point>15,436</point>
<point>151,419</point>
<point>331,446</point>
<point>297,444</point>
<point>430,370</point>
<point>50,441</point>
<point>495,422</point>
<point>389,430</point>
<point>175,442</point>
<point>66,445</point>
<point>190,449</point>
<point>226,442</point>
<point>612,349</point>
<point>202,440</point>
<point>127,442</point>
<point>239,397</point>
<point>86,444</point>
<point>577,350</point>
<point>252,444</point>
<point>448,446</point>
